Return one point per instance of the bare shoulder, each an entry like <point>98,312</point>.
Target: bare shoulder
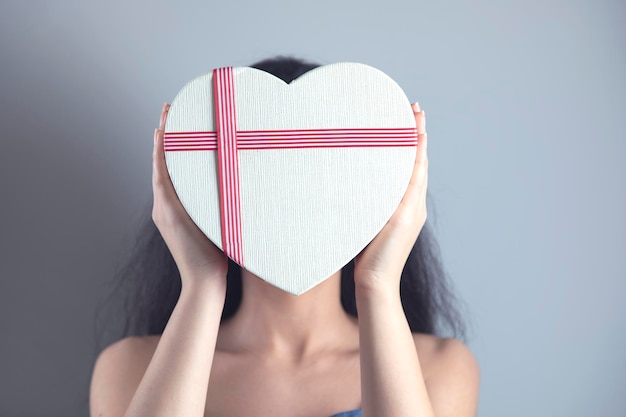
<point>440,353</point>
<point>117,372</point>
<point>451,373</point>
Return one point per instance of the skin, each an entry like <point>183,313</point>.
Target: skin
<point>264,361</point>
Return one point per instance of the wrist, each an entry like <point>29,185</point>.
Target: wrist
<point>378,307</point>
<point>205,286</point>
<point>377,291</point>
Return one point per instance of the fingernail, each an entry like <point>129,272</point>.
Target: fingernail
<point>416,106</point>
<point>155,134</point>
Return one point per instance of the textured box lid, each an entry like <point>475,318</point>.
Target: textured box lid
<point>302,175</point>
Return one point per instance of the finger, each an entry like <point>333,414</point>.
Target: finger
<point>420,118</point>
<point>420,125</point>
<point>421,203</point>
<point>155,158</point>
<point>160,175</point>
<point>422,148</point>
<point>412,195</point>
<point>159,169</point>
<point>420,169</point>
<point>163,119</point>
<point>422,140</point>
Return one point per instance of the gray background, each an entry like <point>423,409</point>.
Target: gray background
<point>525,100</point>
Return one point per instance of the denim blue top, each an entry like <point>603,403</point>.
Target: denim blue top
<point>351,413</point>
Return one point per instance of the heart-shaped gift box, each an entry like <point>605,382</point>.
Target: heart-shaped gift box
<point>293,180</point>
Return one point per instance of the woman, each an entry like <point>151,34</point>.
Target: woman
<point>255,350</point>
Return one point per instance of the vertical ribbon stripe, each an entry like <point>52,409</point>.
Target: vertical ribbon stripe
<point>228,163</point>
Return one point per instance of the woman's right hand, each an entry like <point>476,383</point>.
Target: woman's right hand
<point>197,258</point>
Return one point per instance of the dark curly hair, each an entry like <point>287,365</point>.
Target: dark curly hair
<point>149,281</point>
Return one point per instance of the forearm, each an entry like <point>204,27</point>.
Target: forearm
<point>175,383</point>
<point>392,384</point>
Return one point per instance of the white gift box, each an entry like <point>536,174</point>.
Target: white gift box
<point>293,180</point>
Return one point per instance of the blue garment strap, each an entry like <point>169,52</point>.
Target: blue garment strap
<point>351,413</point>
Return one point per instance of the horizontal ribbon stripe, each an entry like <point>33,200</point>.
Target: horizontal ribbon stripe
<point>339,143</point>
<point>286,139</point>
<point>363,131</point>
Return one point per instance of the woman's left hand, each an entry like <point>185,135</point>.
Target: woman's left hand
<point>380,264</point>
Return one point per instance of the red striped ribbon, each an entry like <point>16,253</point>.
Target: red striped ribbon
<point>228,163</point>
<point>228,140</point>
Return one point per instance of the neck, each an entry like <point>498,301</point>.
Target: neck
<point>272,322</point>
